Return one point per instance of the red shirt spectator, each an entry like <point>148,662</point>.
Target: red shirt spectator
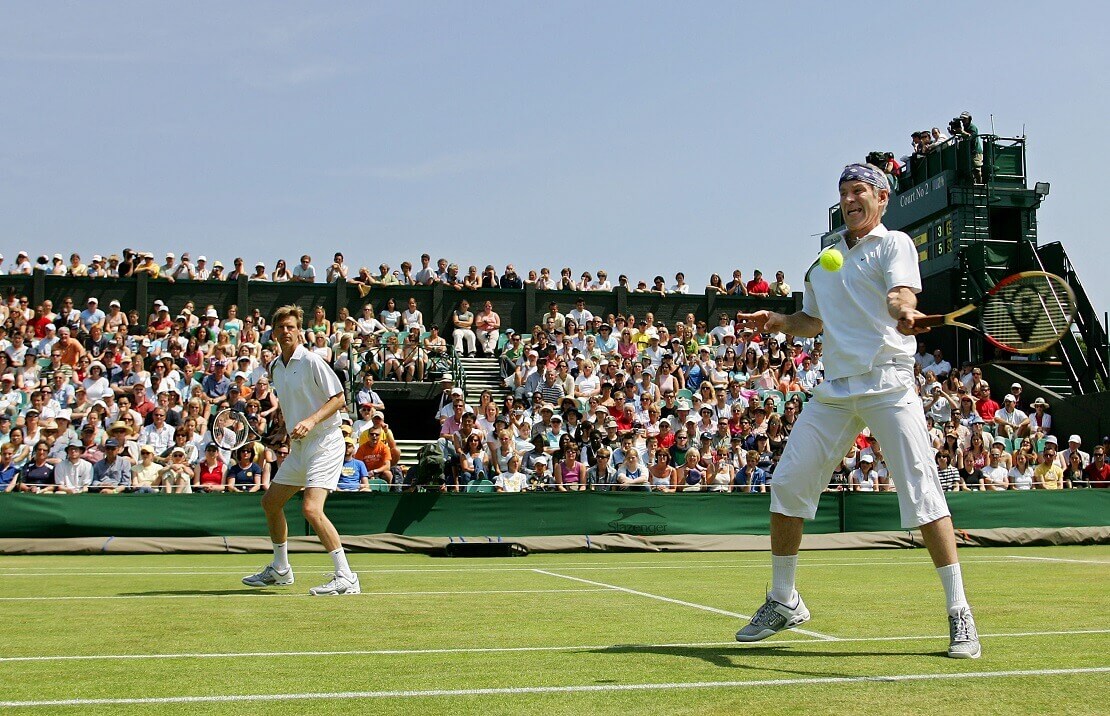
<point>39,323</point>
<point>140,403</point>
<point>213,475</point>
<point>758,286</point>
<point>987,407</point>
<point>1097,474</point>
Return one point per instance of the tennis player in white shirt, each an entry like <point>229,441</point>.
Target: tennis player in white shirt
<point>311,397</point>
<point>867,312</point>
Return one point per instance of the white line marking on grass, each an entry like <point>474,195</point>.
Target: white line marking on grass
<point>1061,559</point>
<point>271,595</point>
<point>510,649</point>
<point>565,568</point>
<point>1000,635</point>
<point>584,688</point>
<point>363,652</point>
<point>704,608</point>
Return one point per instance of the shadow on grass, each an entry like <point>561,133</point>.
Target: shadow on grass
<point>741,656</point>
<point>200,592</point>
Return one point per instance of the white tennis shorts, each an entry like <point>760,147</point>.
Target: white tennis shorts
<point>884,401</point>
<point>314,461</point>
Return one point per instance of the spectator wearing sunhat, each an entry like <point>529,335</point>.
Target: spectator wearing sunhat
<point>145,473</point>
<point>1040,421</point>
<point>125,438</point>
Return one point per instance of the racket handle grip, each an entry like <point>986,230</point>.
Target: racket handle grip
<point>929,321</point>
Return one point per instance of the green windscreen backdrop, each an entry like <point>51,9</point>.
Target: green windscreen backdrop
<point>522,515</point>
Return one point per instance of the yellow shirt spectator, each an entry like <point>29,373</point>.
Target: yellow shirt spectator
<point>1048,476</point>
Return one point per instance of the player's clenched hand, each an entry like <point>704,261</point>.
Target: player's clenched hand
<point>301,429</point>
<point>907,322</point>
<point>761,321</point>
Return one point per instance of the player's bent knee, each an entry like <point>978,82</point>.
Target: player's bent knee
<point>271,503</point>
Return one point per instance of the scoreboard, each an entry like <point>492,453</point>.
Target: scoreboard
<point>935,238</point>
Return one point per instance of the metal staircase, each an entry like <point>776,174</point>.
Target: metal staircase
<point>409,448</point>
<point>1084,351</point>
<point>483,374</point>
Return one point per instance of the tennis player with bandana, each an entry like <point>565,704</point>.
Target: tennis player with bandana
<point>866,313</point>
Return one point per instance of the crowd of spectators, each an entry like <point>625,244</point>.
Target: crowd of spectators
<point>132,263</point>
<point>109,401</point>
<point>623,403</point>
<point>88,404</point>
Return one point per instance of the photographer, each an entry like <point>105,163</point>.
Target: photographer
<point>921,143</point>
<point>885,162</point>
<point>962,126</point>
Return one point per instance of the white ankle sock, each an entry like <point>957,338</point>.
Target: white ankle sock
<point>782,579</point>
<point>339,557</point>
<point>281,556</point>
<point>953,581</point>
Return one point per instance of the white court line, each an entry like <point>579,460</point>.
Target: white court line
<point>448,571</point>
<point>585,688</point>
<point>1065,632</point>
<point>503,649</point>
<point>353,557</point>
<point>271,595</point>
<point>1061,559</point>
<point>704,608</point>
<point>358,652</point>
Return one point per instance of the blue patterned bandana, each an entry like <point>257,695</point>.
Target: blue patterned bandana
<point>864,173</point>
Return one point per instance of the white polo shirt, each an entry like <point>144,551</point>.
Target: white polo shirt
<point>859,332</point>
<point>303,386</point>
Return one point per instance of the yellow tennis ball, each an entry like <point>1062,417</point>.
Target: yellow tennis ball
<point>831,259</point>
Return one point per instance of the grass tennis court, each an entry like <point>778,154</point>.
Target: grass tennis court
<point>582,634</point>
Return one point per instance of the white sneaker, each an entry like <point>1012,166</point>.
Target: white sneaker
<point>339,584</point>
<point>270,577</point>
<point>773,617</point>
<point>963,637</point>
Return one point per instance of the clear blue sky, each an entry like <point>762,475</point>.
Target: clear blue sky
<point>639,137</point>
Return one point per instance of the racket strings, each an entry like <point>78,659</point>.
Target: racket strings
<point>234,432</point>
<point>1028,312</point>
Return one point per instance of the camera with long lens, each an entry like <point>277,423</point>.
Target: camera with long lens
<point>879,159</point>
